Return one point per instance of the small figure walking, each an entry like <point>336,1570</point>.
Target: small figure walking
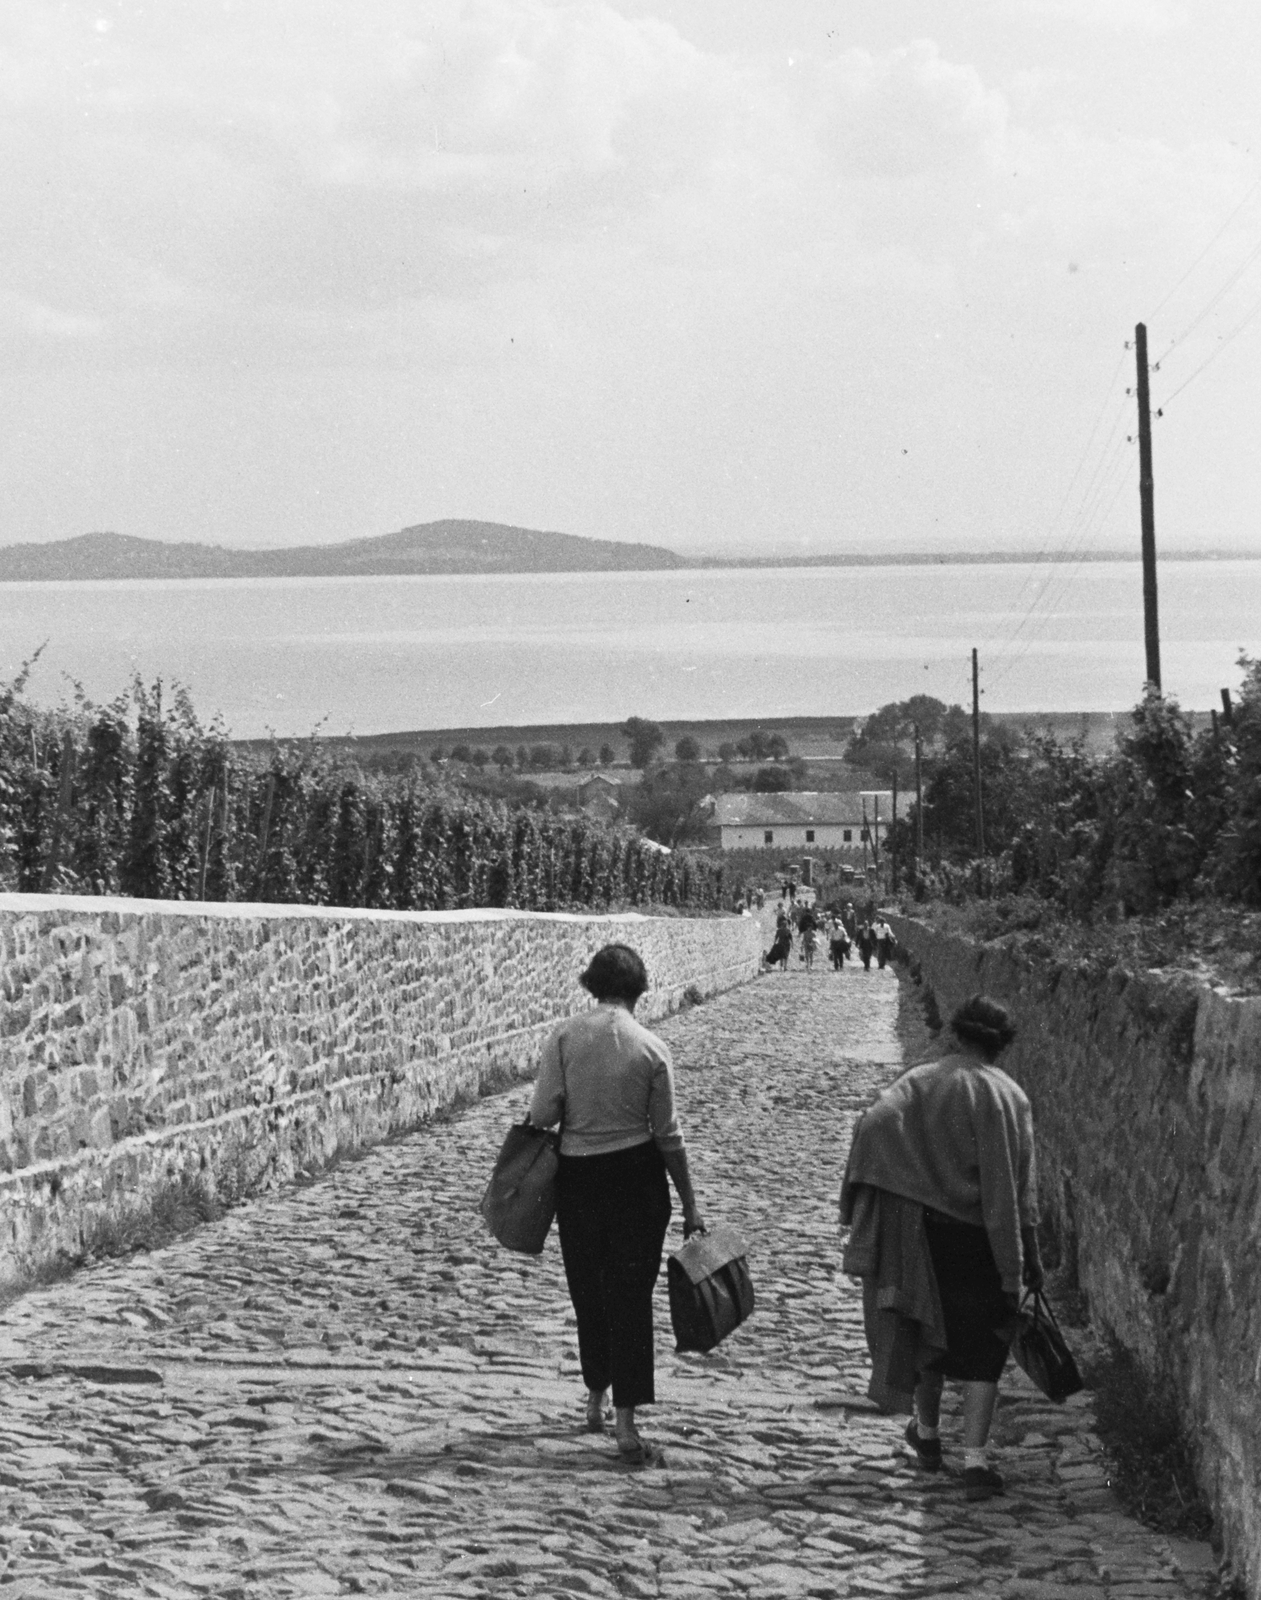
<point>839,944</point>
<point>781,948</point>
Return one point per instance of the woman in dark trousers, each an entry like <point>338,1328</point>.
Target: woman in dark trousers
<point>953,1139</point>
<point>611,1084</point>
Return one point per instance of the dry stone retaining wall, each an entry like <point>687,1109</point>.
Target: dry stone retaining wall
<point>146,1046</point>
<point>1146,1092</point>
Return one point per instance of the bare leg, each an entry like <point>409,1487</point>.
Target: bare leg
<point>928,1399</point>
<point>979,1400</point>
<point>628,1440</point>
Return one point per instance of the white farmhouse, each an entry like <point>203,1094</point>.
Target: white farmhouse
<point>827,820</point>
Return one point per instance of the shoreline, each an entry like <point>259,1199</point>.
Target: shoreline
<point>220,571</point>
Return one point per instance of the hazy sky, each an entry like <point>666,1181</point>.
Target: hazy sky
<point>712,273</point>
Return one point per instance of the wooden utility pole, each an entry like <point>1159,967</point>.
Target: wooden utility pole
<point>976,756</point>
<point>1151,625</point>
<point>893,847</point>
<point>919,801</point>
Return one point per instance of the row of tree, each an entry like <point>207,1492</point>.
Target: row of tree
<point>526,758</point>
<point>138,798</point>
<point>646,738</point>
<point>1168,813</point>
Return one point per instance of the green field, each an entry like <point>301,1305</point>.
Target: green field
<point>821,739</point>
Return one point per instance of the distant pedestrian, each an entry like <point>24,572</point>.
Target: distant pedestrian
<point>866,943</point>
<point>940,1196</point>
<point>610,1083</point>
<point>849,919</point>
<point>885,941</point>
<point>838,942</point>
<point>781,948</point>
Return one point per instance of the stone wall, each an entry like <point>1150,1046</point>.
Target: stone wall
<point>1146,1091</point>
<point>149,1046</point>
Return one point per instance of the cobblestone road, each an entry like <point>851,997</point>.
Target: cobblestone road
<point>348,1388</point>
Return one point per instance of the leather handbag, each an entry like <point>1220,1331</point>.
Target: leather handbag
<point>1040,1348</point>
<point>711,1292</point>
<point>520,1199</point>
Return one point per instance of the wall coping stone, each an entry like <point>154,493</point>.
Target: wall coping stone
<point>252,910</point>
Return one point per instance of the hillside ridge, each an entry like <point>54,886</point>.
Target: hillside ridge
<point>450,546</point>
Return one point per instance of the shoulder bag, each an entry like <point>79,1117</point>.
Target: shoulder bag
<point>711,1292</point>
<point>520,1199</point>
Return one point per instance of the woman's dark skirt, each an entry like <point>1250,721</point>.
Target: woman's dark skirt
<point>612,1212</point>
<point>972,1301</point>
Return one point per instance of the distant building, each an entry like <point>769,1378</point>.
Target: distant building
<point>795,818</point>
<point>600,796</point>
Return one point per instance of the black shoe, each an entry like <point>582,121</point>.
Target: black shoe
<point>927,1451</point>
<point>981,1483</point>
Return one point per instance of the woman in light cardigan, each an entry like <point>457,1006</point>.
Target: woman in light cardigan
<point>954,1139</point>
<point>611,1084</point>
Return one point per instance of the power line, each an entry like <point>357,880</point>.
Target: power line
<point>1223,291</point>
<point>1102,468</point>
<point>1045,550</point>
<point>1209,359</point>
<point>1256,185</point>
<point>1093,521</point>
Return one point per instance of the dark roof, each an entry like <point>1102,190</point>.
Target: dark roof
<point>796,807</point>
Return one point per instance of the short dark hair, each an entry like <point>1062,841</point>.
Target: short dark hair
<point>615,973</point>
<point>984,1024</point>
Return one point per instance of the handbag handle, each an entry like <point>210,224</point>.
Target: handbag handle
<point>1042,1307</point>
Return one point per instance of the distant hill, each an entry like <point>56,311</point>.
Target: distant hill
<point>434,547</point>
<point>452,546</point>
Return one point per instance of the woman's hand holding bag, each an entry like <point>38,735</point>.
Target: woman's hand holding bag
<point>1040,1348</point>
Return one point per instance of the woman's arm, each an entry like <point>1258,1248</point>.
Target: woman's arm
<point>549,1087</point>
<point>669,1139</point>
<point>676,1166</point>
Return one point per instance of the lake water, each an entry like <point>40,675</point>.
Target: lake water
<point>373,655</point>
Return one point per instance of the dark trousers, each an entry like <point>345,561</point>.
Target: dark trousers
<point>612,1212</point>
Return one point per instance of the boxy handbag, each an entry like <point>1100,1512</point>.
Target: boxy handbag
<point>711,1292</point>
<point>520,1199</point>
<point>1040,1348</point>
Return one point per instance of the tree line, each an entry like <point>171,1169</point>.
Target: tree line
<point>1168,814</point>
<point>138,798</point>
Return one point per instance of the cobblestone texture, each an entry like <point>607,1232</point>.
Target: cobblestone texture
<point>349,1388</point>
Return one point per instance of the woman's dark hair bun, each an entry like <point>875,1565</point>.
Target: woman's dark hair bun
<point>983,1023</point>
<point>615,973</point>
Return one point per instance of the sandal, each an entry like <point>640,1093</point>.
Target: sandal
<point>635,1453</point>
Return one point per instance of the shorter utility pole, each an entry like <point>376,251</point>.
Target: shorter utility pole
<point>976,755</point>
<point>919,802</point>
<point>1147,512</point>
<point>893,835</point>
